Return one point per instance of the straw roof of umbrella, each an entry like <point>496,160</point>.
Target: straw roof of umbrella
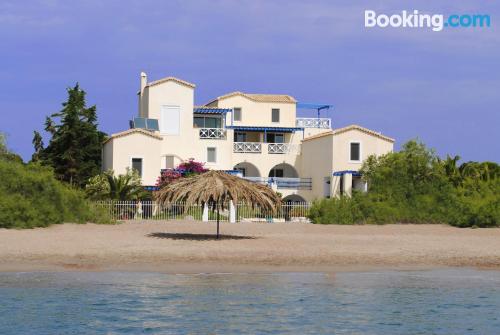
<point>217,188</point>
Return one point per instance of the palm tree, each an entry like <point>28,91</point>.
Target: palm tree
<point>107,186</point>
<point>218,188</point>
<point>470,170</point>
<point>451,169</point>
<point>484,170</point>
<point>123,187</point>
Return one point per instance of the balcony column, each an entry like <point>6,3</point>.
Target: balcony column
<point>204,216</point>
<point>348,184</point>
<point>335,186</point>
<point>232,212</point>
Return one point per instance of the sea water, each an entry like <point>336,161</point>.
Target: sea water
<point>456,302</point>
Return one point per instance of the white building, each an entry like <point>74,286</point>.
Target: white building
<point>258,135</point>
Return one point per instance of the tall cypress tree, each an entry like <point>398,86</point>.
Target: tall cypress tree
<point>74,150</point>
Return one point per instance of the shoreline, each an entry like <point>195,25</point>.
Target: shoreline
<point>198,268</point>
<point>195,269</point>
<point>184,247</point>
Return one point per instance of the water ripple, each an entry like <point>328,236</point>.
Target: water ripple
<point>427,302</point>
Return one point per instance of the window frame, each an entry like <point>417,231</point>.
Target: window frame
<point>274,135</point>
<point>215,155</point>
<point>243,134</point>
<point>240,114</point>
<point>204,125</point>
<point>166,158</point>
<point>360,152</point>
<point>141,173</point>
<point>272,115</point>
<point>174,119</point>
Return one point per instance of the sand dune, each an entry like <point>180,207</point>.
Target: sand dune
<point>181,247</point>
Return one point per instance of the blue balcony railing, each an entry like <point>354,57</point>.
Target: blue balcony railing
<point>284,182</point>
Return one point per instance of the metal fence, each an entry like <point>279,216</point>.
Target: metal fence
<point>284,182</point>
<point>150,210</point>
<point>305,122</point>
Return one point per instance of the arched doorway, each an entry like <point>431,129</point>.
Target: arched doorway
<point>247,169</point>
<point>293,198</point>
<point>283,170</point>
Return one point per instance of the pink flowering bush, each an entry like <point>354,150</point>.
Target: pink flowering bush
<point>185,169</point>
<point>191,167</point>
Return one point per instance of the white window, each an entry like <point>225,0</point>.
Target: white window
<point>169,162</point>
<point>211,155</point>
<point>236,114</point>
<point>170,117</point>
<point>137,165</point>
<point>275,115</point>
<point>355,152</point>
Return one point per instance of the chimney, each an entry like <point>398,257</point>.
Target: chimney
<point>142,104</point>
<point>144,81</point>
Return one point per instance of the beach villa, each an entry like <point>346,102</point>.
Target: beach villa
<point>256,136</point>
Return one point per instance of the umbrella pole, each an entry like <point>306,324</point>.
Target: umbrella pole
<point>217,221</point>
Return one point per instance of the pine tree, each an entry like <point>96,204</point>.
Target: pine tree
<point>74,150</point>
<point>38,145</point>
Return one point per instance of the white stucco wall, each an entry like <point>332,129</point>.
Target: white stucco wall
<point>317,163</point>
<point>321,156</point>
<point>370,145</point>
<point>119,151</point>
<point>311,158</point>
<point>259,113</point>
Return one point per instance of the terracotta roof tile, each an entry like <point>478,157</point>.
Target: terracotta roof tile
<point>279,98</point>
<point>323,134</point>
<point>177,80</point>
<point>348,128</point>
<point>132,131</point>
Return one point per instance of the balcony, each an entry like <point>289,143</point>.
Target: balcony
<point>282,148</point>
<point>283,182</point>
<point>272,148</point>
<point>247,147</point>
<point>212,133</point>
<point>322,123</point>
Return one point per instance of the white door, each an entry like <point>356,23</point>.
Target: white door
<point>170,117</point>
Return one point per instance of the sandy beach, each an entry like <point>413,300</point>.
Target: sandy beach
<point>187,247</point>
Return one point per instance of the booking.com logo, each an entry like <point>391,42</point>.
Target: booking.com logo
<point>417,20</point>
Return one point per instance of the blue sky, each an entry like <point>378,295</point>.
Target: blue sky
<point>442,87</point>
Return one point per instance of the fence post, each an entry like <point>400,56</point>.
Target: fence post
<point>232,212</point>
<point>204,217</point>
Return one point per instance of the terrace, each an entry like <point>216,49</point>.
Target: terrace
<point>283,176</point>
<point>270,140</point>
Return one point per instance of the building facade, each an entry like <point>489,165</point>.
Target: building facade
<point>257,136</point>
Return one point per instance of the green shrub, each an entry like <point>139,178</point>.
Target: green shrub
<point>335,210</point>
<point>415,186</point>
<point>477,204</point>
<point>31,197</point>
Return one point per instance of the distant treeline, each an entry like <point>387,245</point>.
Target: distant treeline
<point>48,190</point>
<point>415,186</point>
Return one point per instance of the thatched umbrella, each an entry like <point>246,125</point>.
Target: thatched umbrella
<point>218,188</point>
